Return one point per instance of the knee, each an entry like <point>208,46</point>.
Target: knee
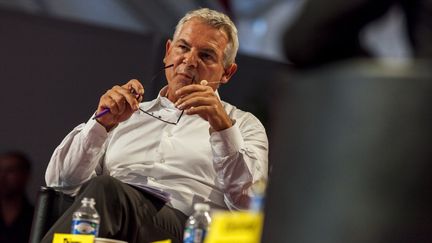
<point>104,183</point>
<point>101,187</point>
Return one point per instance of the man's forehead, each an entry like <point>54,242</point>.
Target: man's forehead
<point>188,34</point>
<point>192,24</point>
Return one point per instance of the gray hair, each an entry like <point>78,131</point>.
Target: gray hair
<point>217,20</point>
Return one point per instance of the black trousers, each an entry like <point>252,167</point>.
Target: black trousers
<point>126,213</point>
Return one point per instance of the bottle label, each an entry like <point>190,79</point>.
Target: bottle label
<point>256,203</point>
<point>85,227</point>
<point>194,235</point>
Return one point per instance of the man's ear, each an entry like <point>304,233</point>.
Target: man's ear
<point>229,72</point>
<point>167,50</point>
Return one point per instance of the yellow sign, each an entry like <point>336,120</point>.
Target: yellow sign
<point>238,227</point>
<point>163,241</point>
<point>69,238</point>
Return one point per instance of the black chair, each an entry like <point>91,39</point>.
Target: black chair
<point>50,205</point>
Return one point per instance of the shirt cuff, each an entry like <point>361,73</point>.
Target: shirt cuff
<point>226,142</point>
<point>95,132</point>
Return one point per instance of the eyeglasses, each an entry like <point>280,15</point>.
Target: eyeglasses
<point>159,117</point>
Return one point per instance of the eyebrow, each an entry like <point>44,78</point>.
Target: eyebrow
<point>207,50</point>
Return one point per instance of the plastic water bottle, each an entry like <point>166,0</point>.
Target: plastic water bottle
<point>198,224</point>
<point>86,219</point>
<point>257,201</point>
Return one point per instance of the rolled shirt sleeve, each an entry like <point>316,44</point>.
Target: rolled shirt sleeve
<point>78,157</point>
<point>240,157</point>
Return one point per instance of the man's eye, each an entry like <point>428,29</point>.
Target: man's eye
<point>206,56</point>
<point>183,47</point>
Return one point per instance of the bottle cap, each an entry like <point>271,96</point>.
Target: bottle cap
<point>90,201</point>
<point>201,207</point>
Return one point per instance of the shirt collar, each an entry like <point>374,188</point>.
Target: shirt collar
<point>163,100</point>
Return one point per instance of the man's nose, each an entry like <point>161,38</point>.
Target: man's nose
<point>190,59</point>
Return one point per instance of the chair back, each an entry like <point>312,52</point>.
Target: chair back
<point>50,205</point>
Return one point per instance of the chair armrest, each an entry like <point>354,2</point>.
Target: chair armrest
<point>50,205</point>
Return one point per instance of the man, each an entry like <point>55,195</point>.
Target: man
<point>16,210</point>
<point>147,164</point>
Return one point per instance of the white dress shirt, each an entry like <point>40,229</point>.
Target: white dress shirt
<point>185,160</point>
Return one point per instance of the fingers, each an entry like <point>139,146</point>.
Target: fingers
<point>124,97</point>
<point>200,99</point>
<point>204,111</point>
<point>121,101</point>
<point>194,100</point>
<point>117,100</point>
<point>193,88</point>
<point>135,88</point>
<point>110,100</point>
<point>211,110</point>
<point>195,95</point>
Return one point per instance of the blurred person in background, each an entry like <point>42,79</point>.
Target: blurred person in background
<point>16,210</point>
<point>327,31</point>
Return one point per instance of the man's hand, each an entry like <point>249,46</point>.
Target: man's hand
<point>122,102</point>
<point>201,100</point>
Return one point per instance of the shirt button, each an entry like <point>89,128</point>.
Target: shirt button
<point>162,161</point>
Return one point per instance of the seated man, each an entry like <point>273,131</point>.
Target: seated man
<point>147,164</point>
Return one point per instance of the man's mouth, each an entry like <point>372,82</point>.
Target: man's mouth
<point>187,78</point>
<point>185,75</point>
